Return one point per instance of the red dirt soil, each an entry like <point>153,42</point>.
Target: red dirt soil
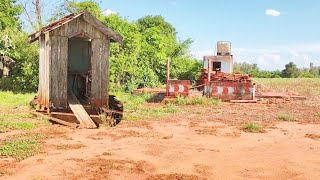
<point>199,143</point>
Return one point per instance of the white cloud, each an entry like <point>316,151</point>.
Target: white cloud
<point>272,12</point>
<point>108,12</point>
<point>275,57</point>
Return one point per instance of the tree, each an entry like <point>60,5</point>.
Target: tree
<point>34,14</point>
<point>68,7</point>
<point>13,43</point>
<point>9,12</point>
<point>291,71</point>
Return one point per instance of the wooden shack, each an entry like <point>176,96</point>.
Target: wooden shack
<point>74,62</point>
<point>6,64</point>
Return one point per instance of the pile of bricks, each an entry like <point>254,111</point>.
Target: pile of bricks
<point>220,76</point>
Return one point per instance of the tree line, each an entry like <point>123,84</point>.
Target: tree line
<point>141,62</point>
<point>290,71</point>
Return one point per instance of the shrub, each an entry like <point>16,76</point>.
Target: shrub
<point>285,117</point>
<point>252,127</point>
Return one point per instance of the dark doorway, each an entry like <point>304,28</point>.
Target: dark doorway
<point>216,66</point>
<point>79,66</point>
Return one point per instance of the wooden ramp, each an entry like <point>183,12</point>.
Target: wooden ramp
<point>81,114</point>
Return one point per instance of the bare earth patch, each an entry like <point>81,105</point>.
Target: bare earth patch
<point>197,142</point>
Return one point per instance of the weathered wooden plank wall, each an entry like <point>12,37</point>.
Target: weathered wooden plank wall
<point>41,94</point>
<point>57,53</point>
<point>44,74</point>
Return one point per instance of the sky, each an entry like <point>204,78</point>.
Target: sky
<point>270,33</point>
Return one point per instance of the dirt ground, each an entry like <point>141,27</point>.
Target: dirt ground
<point>197,143</point>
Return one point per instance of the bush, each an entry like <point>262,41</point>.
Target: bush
<point>285,117</point>
<point>197,100</point>
<point>253,128</point>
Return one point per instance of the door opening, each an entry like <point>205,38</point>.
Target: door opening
<point>79,68</point>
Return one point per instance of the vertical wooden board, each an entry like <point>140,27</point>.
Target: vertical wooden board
<point>41,69</point>
<point>53,72</point>
<point>105,70</point>
<point>63,72</point>
<point>82,27</point>
<point>95,83</point>
<point>47,68</point>
<point>71,27</point>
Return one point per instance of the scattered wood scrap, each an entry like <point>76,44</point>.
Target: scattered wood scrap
<point>243,101</point>
<point>81,114</point>
<point>59,121</point>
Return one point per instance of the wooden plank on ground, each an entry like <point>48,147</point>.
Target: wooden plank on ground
<point>243,101</point>
<point>59,121</point>
<point>81,114</point>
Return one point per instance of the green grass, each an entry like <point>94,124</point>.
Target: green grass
<point>132,102</point>
<point>137,108</point>
<point>11,100</point>
<point>20,121</point>
<point>22,146</point>
<point>285,117</point>
<point>146,113</point>
<point>14,112</point>
<point>252,127</point>
<point>197,100</point>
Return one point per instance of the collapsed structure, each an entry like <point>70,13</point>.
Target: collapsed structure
<point>217,79</point>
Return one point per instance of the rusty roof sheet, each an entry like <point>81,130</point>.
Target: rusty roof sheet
<point>87,17</point>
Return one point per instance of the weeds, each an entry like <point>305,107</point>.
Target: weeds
<point>22,146</point>
<point>285,117</point>
<point>132,102</point>
<point>70,146</point>
<point>9,99</point>
<point>146,113</point>
<point>197,100</point>
<point>21,121</point>
<point>253,128</point>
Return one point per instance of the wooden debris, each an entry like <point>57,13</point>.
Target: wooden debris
<point>243,101</point>
<point>81,114</point>
<point>59,121</point>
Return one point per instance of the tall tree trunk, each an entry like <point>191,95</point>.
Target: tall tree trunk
<point>38,12</point>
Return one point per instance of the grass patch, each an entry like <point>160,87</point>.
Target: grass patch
<point>197,100</point>
<point>21,146</point>
<point>145,112</point>
<point>285,117</point>
<point>22,121</point>
<point>132,102</point>
<point>9,99</point>
<point>253,128</point>
<point>70,146</point>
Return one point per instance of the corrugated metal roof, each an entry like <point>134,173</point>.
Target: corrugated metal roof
<point>87,17</point>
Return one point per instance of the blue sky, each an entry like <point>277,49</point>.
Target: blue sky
<point>267,32</point>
